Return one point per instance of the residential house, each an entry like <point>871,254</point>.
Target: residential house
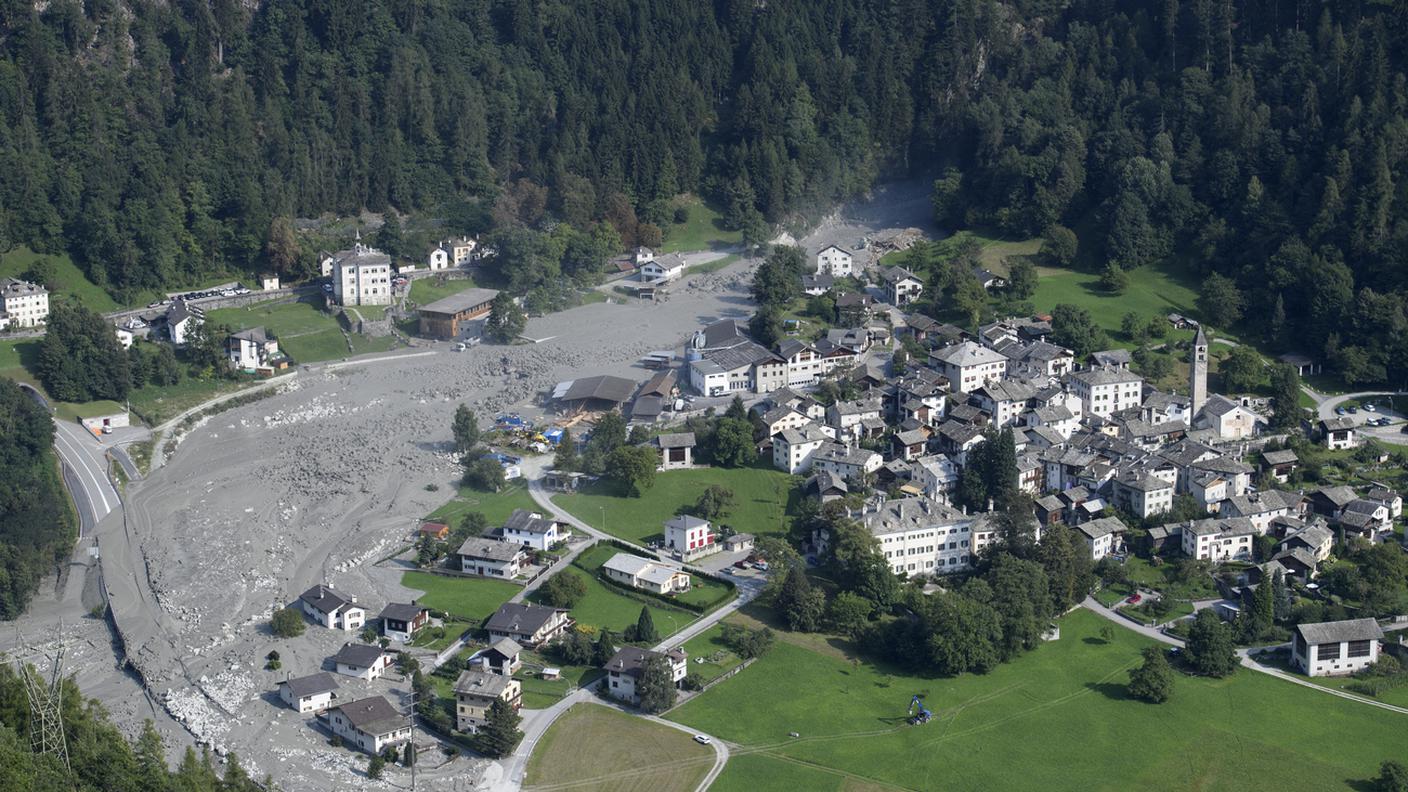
<point>1390,499</point>
<point>739,542</point>
<point>835,261</point>
<point>1262,507</point>
<point>910,444</point>
<point>1142,494</point>
<point>853,308</point>
<point>332,609</point>
<point>435,530</point>
<point>805,365</point>
<point>826,486</point>
<point>779,418</point>
<point>1111,359</point>
<point>1104,536</point>
<point>902,287</point>
<point>1005,399</point>
<point>1316,539</point>
<point>449,253</point>
<point>503,657</point>
<point>722,359</point>
<point>845,461</point>
<point>529,625</point>
<point>624,670</point>
<point>312,693</point>
<point>1338,433</point>
<point>1336,648</point>
<point>792,449</point>
<point>476,691</point>
<point>643,256</point>
<point>269,282</point>
<point>1104,391</point>
<point>1229,419</point>
<point>817,285</point>
<point>848,418</point>
<point>690,537</point>
<point>532,529</point>
<point>438,257</point>
<point>919,536</point>
<point>1365,518</point>
<point>23,304</point>
<point>676,450</point>
<point>181,320</point>
<point>968,365</point>
<point>363,661</point>
<point>492,558</point>
<point>1161,408</point>
<point>254,349</point>
<point>1039,359</point>
<point>1218,539</point>
<point>360,276</point>
<point>401,621</point>
<point>1279,465</point>
<point>1237,473</point>
<point>663,269</point>
<point>644,574</point>
<point>370,724</point>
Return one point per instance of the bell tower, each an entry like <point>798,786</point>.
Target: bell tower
<point>1198,376</point>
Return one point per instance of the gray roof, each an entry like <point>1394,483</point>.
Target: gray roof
<point>1262,502</point>
<point>604,387</point>
<point>676,440</point>
<point>1282,457</point>
<point>1094,529</point>
<point>516,617</point>
<point>373,715</point>
<point>631,659</point>
<point>911,514</point>
<point>912,437</point>
<point>1111,357</point>
<point>506,647</point>
<point>824,480</point>
<point>492,549</point>
<point>15,286</point>
<point>1106,376</point>
<point>324,599</point>
<point>1338,495</point>
<point>481,683</point>
<point>461,302</point>
<point>844,455</point>
<point>966,354</point>
<point>806,433</point>
<point>311,685</point>
<point>1337,631</point>
<point>358,655</point>
<point>255,335</point>
<point>1339,423</point>
<point>1231,526</point>
<point>401,611</point>
<point>686,521</point>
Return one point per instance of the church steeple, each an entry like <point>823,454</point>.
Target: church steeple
<point>1198,375</point>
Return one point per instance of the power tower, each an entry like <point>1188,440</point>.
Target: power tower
<point>46,731</point>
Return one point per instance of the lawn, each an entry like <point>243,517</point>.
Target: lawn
<point>468,599</point>
<point>711,266</point>
<point>495,506</point>
<point>159,403</point>
<point>425,291</point>
<point>450,632</point>
<point>708,647</point>
<point>1055,719</point>
<point>994,249</point>
<point>70,411</point>
<point>306,333</point>
<point>703,231</point>
<point>19,359</point>
<point>539,693</point>
<point>604,607</point>
<point>1152,291</point>
<point>592,748</point>
<point>761,497</point>
<point>702,591</point>
<point>68,278</point>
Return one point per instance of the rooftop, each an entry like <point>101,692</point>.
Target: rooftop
<point>1338,631</point>
<point>461,302</point>
<point>373,715</point>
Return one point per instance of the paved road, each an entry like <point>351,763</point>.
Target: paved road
<point>85,469</point>
<point>1325,408</point>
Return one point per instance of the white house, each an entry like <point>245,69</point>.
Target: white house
<point>1143,494</point>
<point>1262,507</point>
<point>438,257</point>
<point>968,365</point>
<point>1338,433</point>
<point>919,536</point>
<point>846,462</point>
<point>937,476</point>
<point>332,609</point>
<point>360,276</point>
<point>624,669</point>
<point>792,449</point>
<point>644,255</point>
<point>312,693</point>
<point>125,337</point>
<point>1228,418</point>
<point>646,575</point>
<point>834,261</point>
<point>1217,539</point>
<point>1103,536</point>
<point>1107,390</point>
<point>690,536</point>
<point>491,558</point>
<point>181,320</point>
<point>269,282</point>
<point>528,625</point>
<point>370,724</point>
<point>25,304</point>
<point>902,287</point>
<point>1336,648</point>
<point>252,349</point>
<point>362,661</point>
<point>401,621</point>
<point>532,529</point>
<point>663,269</point>
<point>1005,399</point>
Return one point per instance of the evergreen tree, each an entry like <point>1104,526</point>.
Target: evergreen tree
<point>656,686</point>
<point>465,429</point>
<point>506,321</point>
<point>645,627</point>
<point>1069,569</point>
<point>801,604</point>
<point>1209,648</point>
<point>500,734</point>
<point>1152,681</point>
<point>565,457</point>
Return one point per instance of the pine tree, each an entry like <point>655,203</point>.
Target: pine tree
<point>645,627</point>
<point>565,458</point>
<point>500,734</point>
<point>1153,680</point>
<point>1209,648</point>
<point>465,429</point>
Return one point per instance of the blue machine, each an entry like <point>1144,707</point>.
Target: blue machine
<point>918,714</point>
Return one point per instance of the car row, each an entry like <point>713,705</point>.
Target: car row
<point>232,291</point>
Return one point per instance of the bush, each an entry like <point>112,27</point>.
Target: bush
<point>287,623</point>
<point>681,215</point>
<point>564,590</point>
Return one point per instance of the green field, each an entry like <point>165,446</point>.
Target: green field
<point>306,333</point>
<point>69,280</point>
<point>70,411</point>
<point>760,500</point>
<point>425,291</point>
<point>702,591</point>
<point>19,358</point>
<point>605,608</point>
<point>495,506</point>
<point>711,266</point>
<point>709,647</point>
<point>704,230</point>
<point>1054,719</point>
<point>469,599</point>
<point>592,748</point>
<point>160,403</point>
<point>1152,291</point>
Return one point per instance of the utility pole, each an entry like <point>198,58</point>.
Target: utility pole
<point>46,708</point>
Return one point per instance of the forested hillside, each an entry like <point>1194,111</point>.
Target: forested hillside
<point>35,528</point>
<point>1265,140</point>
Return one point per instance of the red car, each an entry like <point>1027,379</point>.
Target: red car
<point>1134,600</point>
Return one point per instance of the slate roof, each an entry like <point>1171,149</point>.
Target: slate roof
<point>400,611</point>
<point>1338,631</point>
<point>1104,526</point>
<point>373,715</point>
<point>324,599</point>
<point>966,354</point>
<point>1106,376</point>
<point>630,660</point>
<point>492,549</point>
<point>1282,457</point>
<point>676,440</point>
<point>481,683</point>
<point>358,655</point>
<point>603,387</point>
<point>311,685</point>
<point>516,617</point>
<point>461,301</point>
<point>910,514</point>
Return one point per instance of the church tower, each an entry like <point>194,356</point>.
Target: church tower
<point>1198,376</point>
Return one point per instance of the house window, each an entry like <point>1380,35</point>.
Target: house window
<point>1360,648</point>
<point>1327,652</point>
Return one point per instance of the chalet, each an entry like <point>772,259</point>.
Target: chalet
<point>362,661</point>
<point>1279,465</point>
<point>503,657</point>
<point>312,693</point>
<point>902,287</point>
<point>529,625</point>
<point>909,445</point>
<point>491,558</point>
<point>663,269</point>
<point>624,670</point>
<point>1336,648</point>
<point>181,321</point>
<point>676,450</point>
<point>255,350</point>
<point>826,486</point>
<point>532,529</point>
<point>835,261</point>
<point>476,692</point>
<point>1337,433</point>
<point>401,621</point>
<point>332,609</point>
<point>645,574</point>
<point>370,724</point>
<point>1262,507</point>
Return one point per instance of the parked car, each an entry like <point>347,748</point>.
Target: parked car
<point>1353,410</point>
<point>459,347</point>
<point>1134,599</point>
<point>327,287</point>
<point>1370,407</point>
<point>1339,411</point>
<point>702,739</point>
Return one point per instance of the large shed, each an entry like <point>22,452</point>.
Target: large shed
<point>442,318</point>
<point>602,392</point>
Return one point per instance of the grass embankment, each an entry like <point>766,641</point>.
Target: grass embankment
<point>604,607</point>
<point>306,333</point>
<point>703,230</point>
<point>595,749</point>
<point>763,499</point>
<point>68,279</point>
<point>425,291</point>
<point>467,599</point>
<point>1056,718</point>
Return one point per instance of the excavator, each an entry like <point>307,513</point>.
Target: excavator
<point>918,714</point>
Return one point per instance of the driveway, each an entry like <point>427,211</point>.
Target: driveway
<point>1325,408</point>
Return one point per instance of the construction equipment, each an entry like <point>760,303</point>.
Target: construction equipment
<point>918,713</point>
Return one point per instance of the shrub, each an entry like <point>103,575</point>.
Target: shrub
<point>287,623</point>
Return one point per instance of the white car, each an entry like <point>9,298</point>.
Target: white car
<point>1369,407</point>
<point>459,347</point>
<point>702,739</point>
